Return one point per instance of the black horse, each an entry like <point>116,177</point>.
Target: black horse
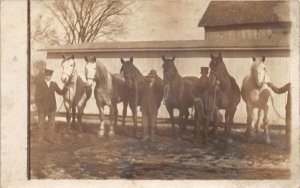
<point>178,92</point>
<point>134,81</point>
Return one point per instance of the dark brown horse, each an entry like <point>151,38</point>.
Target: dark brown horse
<point>178,93</point>
<point>134,80</point>
<point>229,94</point>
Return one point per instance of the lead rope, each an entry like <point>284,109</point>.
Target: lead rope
<point>69,80</point>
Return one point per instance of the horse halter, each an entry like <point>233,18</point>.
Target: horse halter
<point>72,73</point>
<point>90,78</point>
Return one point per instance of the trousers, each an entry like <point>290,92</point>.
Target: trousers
<point>47,131</point>
<point>148,121</point>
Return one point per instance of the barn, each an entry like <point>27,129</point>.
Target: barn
<point>239,30</point>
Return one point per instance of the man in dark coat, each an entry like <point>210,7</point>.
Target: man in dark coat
<point>149,106</point>
<point>46,103</point>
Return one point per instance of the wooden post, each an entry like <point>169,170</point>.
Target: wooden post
<point>288,111</point>
<point>288,119</point>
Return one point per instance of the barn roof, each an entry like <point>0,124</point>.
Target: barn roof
<point>180,45</point>
<point>225,13</point>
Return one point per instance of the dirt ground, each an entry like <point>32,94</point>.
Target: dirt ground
<point>83,155</point>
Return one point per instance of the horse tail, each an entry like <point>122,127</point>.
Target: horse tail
<point>276,112</point>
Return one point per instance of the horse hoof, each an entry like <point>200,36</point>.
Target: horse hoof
<point>100,134</point>
<point>268,141</point>
<point>230,141</point>
<point>111,134</point>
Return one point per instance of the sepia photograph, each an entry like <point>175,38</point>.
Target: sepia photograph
<point>160,89</point>
<point>120,90</point>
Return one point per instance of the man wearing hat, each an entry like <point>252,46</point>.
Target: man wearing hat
<point>46,103</point>
<point>149,106</point>
<point>201,84</point>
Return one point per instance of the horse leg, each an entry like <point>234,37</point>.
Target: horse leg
<point>250,115</point>
<point>215,122</point>
<point>116,117</point>
<point>230,119</point>
<point>205,128</point>
<point>171,113</point>
<point>197,124</point>
<point>181,125</point>
<point>266,124</point>
<point>102,120</point>
<point>111,131</point>
<point>125,105</point>
<point>227,121</point>
<point>79,117</point>
<point>133,108</point>
<point>73,114</point>
<point>68,115</point>
<point>257,124</point>
<point>186,117</point>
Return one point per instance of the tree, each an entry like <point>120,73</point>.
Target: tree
<point>42,32</point>
<point>88,20</point>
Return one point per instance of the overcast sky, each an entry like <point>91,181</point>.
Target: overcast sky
<point>157,19</point>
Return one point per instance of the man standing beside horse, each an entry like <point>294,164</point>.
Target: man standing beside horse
<point>149,106</point>
<point>46,103</point>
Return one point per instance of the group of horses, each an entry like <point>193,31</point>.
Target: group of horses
<point>176,92</point>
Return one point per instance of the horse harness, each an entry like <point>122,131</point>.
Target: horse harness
<point>67,83</point>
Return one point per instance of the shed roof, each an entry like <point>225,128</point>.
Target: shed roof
<point>225,13</point>
<point>180,45</point>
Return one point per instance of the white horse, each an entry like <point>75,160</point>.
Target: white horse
<point>77,94</point>
<point>109,91</point>
<point>257,94</point>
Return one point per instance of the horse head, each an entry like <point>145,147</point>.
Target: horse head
<point>169,69</point>
<point>128,71</point>
<point>68,65</point>
<point>217,66</point>
<point>258,71</point>
<point>90,69</point>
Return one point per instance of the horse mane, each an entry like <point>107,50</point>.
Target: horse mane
<point>101,70</point>
<point>137,70</point>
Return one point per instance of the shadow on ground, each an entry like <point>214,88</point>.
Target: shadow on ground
<point>83,155</point>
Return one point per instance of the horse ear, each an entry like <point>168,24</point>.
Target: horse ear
<point>85,58</point>
<point>122,60</point>
<point>72,56</point>
<point>263,59</point>
<point>253,58</point>
<point>211,56</point>
<point>173,58</point>
<point>163,58</point>
<point>131,59</point>
<point>94,59</point>
<point>63,56</point>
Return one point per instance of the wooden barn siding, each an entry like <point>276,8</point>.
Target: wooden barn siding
<point>238,65</point>
<point>245,33</point>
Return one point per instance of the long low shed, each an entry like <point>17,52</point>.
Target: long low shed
<point>190,56</point>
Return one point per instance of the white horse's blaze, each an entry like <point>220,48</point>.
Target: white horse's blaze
<point>68,70</point>
<point>90,72</point>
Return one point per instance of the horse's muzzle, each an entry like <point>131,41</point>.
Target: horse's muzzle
<point>89,82</point>
<point>64,78</point>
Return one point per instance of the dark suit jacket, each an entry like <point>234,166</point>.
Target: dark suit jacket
<point>149,99</point>
<point>45,97</point>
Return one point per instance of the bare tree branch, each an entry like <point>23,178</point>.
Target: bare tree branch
<point>88,20</point>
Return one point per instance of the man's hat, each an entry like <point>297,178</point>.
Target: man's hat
<point>204,69</point>
<point>48,70</point>
<point>152,74</point>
